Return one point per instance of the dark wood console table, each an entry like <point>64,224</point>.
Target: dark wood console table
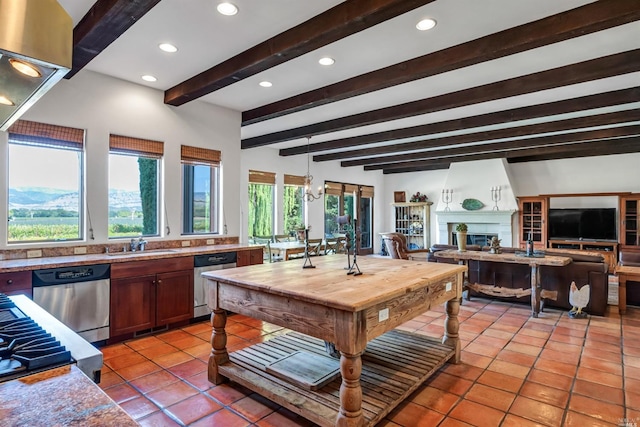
<point>533,262</point>
<point>625,272</point>
<point>354,313</point>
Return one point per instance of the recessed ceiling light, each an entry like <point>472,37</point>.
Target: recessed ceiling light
<point>426,24</point>
<point>227,8</point>
<point>168,47</point>
<point>25,68</point>
<point>265,84</point>
<point>6,101</point>
<point>326,61</point>
<point>149,78</point>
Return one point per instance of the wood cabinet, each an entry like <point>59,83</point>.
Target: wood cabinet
<point>147,294</point>
<point>413,219</point>
<point>249,257</point>
<point>533,212</point>
<point>15,283</point>
<point>630,221</point>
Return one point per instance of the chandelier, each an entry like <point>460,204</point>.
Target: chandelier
<point>308,180</point>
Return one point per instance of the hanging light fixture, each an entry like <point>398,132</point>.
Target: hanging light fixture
<point>308,180</point>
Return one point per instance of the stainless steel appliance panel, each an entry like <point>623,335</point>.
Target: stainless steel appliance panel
<point>204,263</point>
<point>82,303</point>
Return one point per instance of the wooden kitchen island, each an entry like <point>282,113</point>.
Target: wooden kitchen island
<point>378,367</point>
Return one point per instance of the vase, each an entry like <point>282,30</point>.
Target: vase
<point>461,236</point>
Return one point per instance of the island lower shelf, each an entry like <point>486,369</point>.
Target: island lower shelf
<point>393,366</point>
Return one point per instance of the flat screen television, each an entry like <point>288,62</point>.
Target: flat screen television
<point>581,224</point>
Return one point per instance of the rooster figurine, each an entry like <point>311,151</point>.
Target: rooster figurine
<point>578,298</point>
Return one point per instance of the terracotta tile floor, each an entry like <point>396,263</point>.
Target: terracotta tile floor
<point>515,371</point>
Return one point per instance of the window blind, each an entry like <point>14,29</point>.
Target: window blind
<point>366,191</point>
<point>200,155</point>
<point>294,180</point>
<point>333,188</point>
<point>130,145</point>
<point>260,177</point>
<point>43,134</point>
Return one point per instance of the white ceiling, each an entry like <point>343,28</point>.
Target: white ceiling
<point>205,38</point>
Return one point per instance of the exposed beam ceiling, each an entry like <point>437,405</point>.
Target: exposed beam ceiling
<point>577,22</point>
<point>498,80</point>
<point>600,68</point>
<point>341,21</point>
<point>415,149</point>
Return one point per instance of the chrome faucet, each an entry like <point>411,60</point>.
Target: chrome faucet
<point>138,245</point>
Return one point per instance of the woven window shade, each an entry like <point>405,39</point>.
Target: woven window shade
<point>294,180</point>
<point>366,191</point>
<point>259,177</point>
<point>333,188</point>
<point>350,188</point>
<point>200,155</point>
<point>42,134</point>
<point>130,145</point>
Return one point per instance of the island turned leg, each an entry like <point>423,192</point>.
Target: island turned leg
<point>451,327</point>
<point>535,290</point>
<point>350,414</point>
<point>219,353</point>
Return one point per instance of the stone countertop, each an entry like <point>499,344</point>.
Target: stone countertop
<point>58,397</point>
<point>22,264</point>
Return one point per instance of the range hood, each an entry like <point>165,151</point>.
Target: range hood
<point>36,36</point>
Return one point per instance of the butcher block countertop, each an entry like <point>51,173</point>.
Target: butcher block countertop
<point>22,264</point>
<point>59,397</point>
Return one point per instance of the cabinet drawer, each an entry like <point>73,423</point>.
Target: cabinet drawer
<point>18,282</point>
<point>139,268</point>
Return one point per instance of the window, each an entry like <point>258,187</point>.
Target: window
<point>293,202</point>
<point>261,206</point>
<point>134,186</point>
<point>45,183</point>
<point>200,190</point>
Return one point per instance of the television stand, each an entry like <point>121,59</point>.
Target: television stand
<point>608,249</point>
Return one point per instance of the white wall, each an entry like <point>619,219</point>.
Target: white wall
<point>104,105</point>
<point>601,174</point>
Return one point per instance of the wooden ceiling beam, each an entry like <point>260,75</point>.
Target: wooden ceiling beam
<point>628,143</point>
<point>501,147</point>
<point>553,29</point>
<point>468,138</point>
<point>606,147</point>
<point>340,21</point>
<point>102,25</point>
<point>583,103</point>
<point>594,69</point>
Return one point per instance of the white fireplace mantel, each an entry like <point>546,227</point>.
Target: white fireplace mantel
<point>481,221</point>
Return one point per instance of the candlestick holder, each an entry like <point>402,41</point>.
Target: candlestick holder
<point>495,196</point>
<point>307,259</point>
<point>447,197</point>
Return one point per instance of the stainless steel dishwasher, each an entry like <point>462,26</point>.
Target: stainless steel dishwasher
<point>202,263</point>
<point>76,296</point>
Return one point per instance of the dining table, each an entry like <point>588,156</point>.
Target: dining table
<point>340,359</point>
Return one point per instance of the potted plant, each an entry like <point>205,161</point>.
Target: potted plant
<point>461,236</point>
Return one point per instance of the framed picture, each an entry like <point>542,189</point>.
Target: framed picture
<point>399,197</point>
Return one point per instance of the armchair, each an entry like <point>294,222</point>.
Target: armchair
<point>396,244</point>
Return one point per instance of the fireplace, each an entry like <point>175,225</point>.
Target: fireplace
<point>482,225</point>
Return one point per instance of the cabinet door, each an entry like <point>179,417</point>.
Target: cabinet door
<point>133,302</point>
<point>629,224</point>
<point>533,221</point>
<point>15,283</point>
<point>255,256</point>
<point>174,293</point>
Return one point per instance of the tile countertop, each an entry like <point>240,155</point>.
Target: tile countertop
<point>58,397</point>
<point>22,264</point>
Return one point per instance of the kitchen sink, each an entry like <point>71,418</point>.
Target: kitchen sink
<point>145,252</point>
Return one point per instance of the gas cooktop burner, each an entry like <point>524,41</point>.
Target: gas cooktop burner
<point>24,345</point>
